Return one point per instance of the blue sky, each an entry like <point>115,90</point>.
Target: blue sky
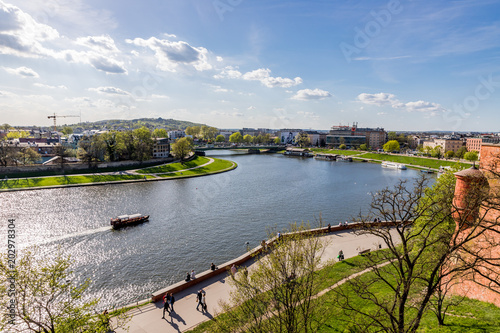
<point>401,65</point>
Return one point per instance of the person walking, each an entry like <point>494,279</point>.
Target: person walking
<point>172,301</point>
<point>203,302</point>
<point>341,255</point>
<point>233,270</point>
<point>166,301</point>
<point>199,296</point>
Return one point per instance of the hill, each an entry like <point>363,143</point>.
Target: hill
<point>120,124</point>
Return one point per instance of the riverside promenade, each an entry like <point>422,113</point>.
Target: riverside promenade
<point>148,318</point>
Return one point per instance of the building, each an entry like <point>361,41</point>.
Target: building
<point>477,283</point>
<point>177,134</point>
<point>161,148</point>
<point>446,144</point>
<point>353,137</point>
<point>287,135</point>
<point>475,143</point>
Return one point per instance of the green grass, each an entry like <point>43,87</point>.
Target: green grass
<point>217,166</point>
<point>417,161</point>
<point>336,151</point>
<point>64,180</point>
<point>171,167</point>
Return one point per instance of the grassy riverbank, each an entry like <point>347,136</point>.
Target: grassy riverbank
<point>198,165</point>
<point>414,161</point>
<point>336,151</point>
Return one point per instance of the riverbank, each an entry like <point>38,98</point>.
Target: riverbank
<point>195,167</point>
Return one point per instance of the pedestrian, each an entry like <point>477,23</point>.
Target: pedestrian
<point>329,227</point>
<point>345,222</point>
<point>192,275</point>
<point>166,300</point>
<point>212,267</point>
<point>375,220</point>
<point>279,235</point>
<point>172,301</point>
<point>341,255</point>
<point>203,302</point>
<point>233,270</point>
<point>188,277</point>
<point>199,295</point>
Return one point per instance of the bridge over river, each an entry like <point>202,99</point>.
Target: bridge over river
<point>250,149</point>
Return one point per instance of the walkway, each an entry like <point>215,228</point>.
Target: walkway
<point>148,318</point>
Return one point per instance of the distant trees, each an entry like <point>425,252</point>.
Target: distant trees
<point>437,151</point>
<point>181,148</point>
<point>342,146</point>
<point>236,137</point>
<point>202,132</point>
<point>461,152</point>
<point>449,154</point>
<point>28,155</point>
<point>302,139</point>
<point>159,133</point>
<point>363,146</point>
<point>392,145</point>
<point>220,138</point>
<point>248,139</point>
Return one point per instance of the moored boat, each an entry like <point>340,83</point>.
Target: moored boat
<point>394,165</point>
<point>126,220</point>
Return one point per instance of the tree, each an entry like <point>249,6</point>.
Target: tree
<point>193,130</point>
<point>236,137</point>
<point>28,155</point>
<point>143,144</point>
<point>91,150</point>
<point>461,152</point>
<point>67,130</point>
<point>342,146</point>
<point>277,141</point>
<point>277,295</point>
<point>7,153</point>
<point>181,148</point>
<point>424,252</point>
<point>110,141</point>
<point>449,154</point>
<point>46,299</point>
<point>471,156</point>
<point>302,140</point>
<point>391,145</point>
<point>392,136</point>
<point>437,151</point>
<point>159,133</point>
<point>220,138</point>
<point>363,146</point>
<point>125,144</point>
<point>248,138</point>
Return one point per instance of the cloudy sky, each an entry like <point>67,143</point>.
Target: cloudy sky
<point>401,65</point>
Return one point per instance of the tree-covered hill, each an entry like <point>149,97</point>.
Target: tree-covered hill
<point>121,124</point>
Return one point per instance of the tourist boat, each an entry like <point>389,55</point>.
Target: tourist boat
<point>326,157</point>
<point>394,165</point>
<point>427,170</point>
<point>126,220</point>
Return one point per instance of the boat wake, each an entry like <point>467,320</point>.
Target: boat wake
<point>73,235</point>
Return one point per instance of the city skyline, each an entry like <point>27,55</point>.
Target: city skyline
<point>401,65</point>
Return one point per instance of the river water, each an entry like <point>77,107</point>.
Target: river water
<point>193,222</point>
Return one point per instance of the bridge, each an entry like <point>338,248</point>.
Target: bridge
<point>272,148</point>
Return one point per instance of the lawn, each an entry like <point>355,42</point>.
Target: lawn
<point>216,166</point>
<point>410,160</point>
<point>64,180</point>
<point>337,151</point>
<point>172,167</point>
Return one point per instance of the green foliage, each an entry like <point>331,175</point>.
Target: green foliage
<point>67,130</point>
<point>277,141</point>
<point>247,138</point>
<point>461,152</point>
<point>220,138</point>
<point>46,299</point>
<point>28,155</point>
<point>159,133</point>
<point>302,139</point>
<point>471,156</point>
<point>449,154</point>
<point>181,148</point>
<point>236,137</point>
<point>392,145</point>
<point>411,160</point>
<point>342,146</point>
<point>363,146</point>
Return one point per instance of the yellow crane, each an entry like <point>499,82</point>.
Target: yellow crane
<point>54,116</point>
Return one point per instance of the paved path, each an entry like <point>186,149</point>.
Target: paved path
<point>148,318</point>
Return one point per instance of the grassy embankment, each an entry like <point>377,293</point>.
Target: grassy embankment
<point>337,151</point>
<point>469,316</point>
<point>413,161</point>
<point>175,170</point>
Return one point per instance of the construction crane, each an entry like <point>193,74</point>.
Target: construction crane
<point>56,116</point>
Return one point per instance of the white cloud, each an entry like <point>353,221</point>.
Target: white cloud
<point>172,54</point>
<point>98,43</point>
<point>46,86</point>
<point>379,99</point>
<point>228,73</point>
<point>308,94</point>
<point>251,108</point>
<point>22,71</point>
<point>264,76</point>
<point>386,99</point>
<point>160,96</point>
<point>307,114</point>
<point>109,90</point>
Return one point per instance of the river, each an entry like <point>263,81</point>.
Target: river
<point>193,222</point>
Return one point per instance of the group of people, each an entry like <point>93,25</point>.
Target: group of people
<point>375,220</point>
<point>168,304</point>
<point>190,276</point>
